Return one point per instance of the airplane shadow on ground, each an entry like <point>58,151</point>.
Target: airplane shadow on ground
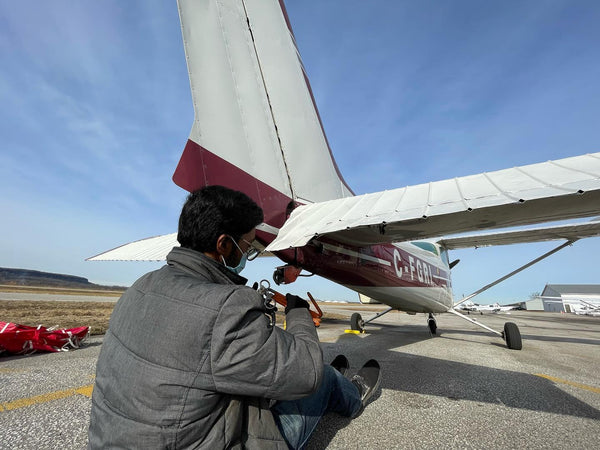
<point>449,379</point>
<point>526,337</point>
<point>572,319</point>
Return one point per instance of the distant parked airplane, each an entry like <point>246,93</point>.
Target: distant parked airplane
<point>469,306</point>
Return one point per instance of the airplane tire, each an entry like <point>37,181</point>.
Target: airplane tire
<point>512,336</point>
<point>356,322</point>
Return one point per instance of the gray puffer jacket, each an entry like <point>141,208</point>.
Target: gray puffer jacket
<point>190,361</point>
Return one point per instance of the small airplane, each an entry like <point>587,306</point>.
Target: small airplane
<point>257,130</point>
<point>593,311</point>
<point>469,306</point>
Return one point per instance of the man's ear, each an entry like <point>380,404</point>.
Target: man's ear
<point>224,245</point>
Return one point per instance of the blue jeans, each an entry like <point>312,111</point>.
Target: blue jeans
<point>297,419</point>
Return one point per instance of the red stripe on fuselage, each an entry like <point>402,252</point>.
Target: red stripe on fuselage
<point>378,265</point>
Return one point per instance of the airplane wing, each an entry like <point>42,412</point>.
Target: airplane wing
<point>550,191</point>
<point>570,232</point>
<point>554,190</point>
<point>156,248</point>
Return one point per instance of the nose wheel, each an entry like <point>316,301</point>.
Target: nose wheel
<point>432,324</point>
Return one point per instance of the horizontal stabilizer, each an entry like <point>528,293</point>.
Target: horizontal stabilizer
<point>550,191</point>
<point>570,232</point>
<point>153,249</point>
<point>150,249</point>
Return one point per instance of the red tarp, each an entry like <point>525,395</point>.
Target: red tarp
<point>22,339</point>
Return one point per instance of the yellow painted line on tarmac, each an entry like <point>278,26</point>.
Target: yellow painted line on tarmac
<point>570,383</point>
<point>10,370</point>
<point>36,400</point>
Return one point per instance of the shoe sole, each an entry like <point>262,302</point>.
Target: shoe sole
<point>370,370</point>
<point>341,364</point>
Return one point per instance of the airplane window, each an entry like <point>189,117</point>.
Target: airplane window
<point>426,246</point>
<point>445,256</point>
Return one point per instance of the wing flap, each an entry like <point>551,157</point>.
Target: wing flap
<point>550,191</point>
<point>569,232</point>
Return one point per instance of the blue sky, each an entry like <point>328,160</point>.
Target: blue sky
<point>96,110</point>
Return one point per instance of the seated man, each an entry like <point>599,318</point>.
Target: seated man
<point>191,359</point>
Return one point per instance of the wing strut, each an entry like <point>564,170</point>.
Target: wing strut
<point>514,272</point>
<point>511,333</point>
<point>462,316</point>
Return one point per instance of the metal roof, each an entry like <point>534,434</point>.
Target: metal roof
<point>571,289</point>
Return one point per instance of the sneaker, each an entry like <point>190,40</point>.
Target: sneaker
<point>367,381</point>
<point>341,364</point>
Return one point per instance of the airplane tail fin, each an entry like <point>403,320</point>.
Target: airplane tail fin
<point>256,127</point>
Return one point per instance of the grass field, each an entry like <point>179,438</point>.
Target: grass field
<point>63,314</point>
<point>74,314</point>
<point>59,291</point>
<point>70,314</point>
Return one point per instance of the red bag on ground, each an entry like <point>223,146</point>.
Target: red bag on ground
<point>23,339</point>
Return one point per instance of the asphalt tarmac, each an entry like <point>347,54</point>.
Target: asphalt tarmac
<point>461,389</point>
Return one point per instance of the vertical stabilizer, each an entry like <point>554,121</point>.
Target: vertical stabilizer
<point>256,126</point>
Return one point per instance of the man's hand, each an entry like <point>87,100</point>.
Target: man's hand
<point>293,301</point>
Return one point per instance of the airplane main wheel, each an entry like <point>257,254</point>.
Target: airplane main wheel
<point>512,336</point>
<point>357,323</point>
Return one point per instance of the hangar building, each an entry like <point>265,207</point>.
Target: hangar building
<point>567,298</point>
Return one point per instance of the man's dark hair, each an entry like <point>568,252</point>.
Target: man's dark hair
<point>215,210</point>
